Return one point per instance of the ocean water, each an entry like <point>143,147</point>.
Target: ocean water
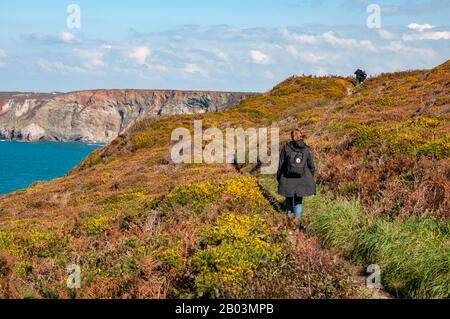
<point>21,164</point>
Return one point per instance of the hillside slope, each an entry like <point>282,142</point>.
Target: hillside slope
<point>100,115</point>
<point>141,226</point>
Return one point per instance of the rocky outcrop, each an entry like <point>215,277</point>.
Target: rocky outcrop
<point>100,115</point>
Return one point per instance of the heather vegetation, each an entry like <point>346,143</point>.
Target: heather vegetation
<point>142,227</point>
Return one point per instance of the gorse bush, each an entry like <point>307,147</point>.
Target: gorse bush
<point>412,138</point>
<point>33,243</point>
<point>438,149</point>
<point>170,258</point>
<point>96,225</point>
<point>426,122</point>
<point>240,190</point>
<point>144,139</point>
<point>197,194</point>
<point>237,247</point>
<point>22,250</point>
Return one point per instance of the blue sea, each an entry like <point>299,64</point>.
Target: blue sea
<point>21,164</point>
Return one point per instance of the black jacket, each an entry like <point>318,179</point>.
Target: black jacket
<point>299,186</point>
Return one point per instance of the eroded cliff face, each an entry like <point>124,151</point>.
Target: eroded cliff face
<point>100,115</point>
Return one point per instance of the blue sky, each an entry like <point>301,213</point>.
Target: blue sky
<point>246,45</point>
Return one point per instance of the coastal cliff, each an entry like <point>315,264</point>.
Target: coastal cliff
<point>99,115</point>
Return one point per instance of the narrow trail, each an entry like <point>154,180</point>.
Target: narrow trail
<point>298,237</point>
<point>350,91</point>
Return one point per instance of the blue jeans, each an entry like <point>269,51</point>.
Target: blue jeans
<point>294,205</point>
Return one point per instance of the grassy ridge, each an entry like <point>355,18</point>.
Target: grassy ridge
<point>414,255</point>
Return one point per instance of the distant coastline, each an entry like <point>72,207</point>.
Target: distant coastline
<point>99,116</point>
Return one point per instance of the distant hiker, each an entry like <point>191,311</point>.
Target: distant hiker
<point>296,174</point>
<point>361,76</point>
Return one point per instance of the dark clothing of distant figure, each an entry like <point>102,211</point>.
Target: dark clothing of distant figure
<point>294,186</point>
<point>361,76</point>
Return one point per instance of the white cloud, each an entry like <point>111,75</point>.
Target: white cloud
<point>438,35</point>
<point>402,50</point>
<point>348,43</point>
<point>192,68</point>
<point>305,56</point>
<point>106,46</point>
<point>92,58</point>
<point>386,35</point>
<point>259,57</point>
<point>63,37</point>
<point>68,37</point>
<point>332,39</point>
<point>59,67</point>
<point>140,54</point>
<point>395,46</point>
<point>420,27</point>
<point>301,38</point>
<point>368,45</point>
<point>157,67</point>
<point>220,54</point>
<point>2,57</point>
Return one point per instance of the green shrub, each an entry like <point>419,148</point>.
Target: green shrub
<point>116,261</point>
<point>388,101</point>
<point>350,188</point>
<point>93,159</point>
<point>237,246</point>
<point>143,139</point>
<point>426,122</point>
<point>170,258</point>
<point>96,225</point>
<point>367,136</point>
<point>438,149</point>
<point>198,196</point>
<point>402,141</point>
<point>32,243</point>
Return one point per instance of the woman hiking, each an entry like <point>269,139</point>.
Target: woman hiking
<point>296,175</point>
